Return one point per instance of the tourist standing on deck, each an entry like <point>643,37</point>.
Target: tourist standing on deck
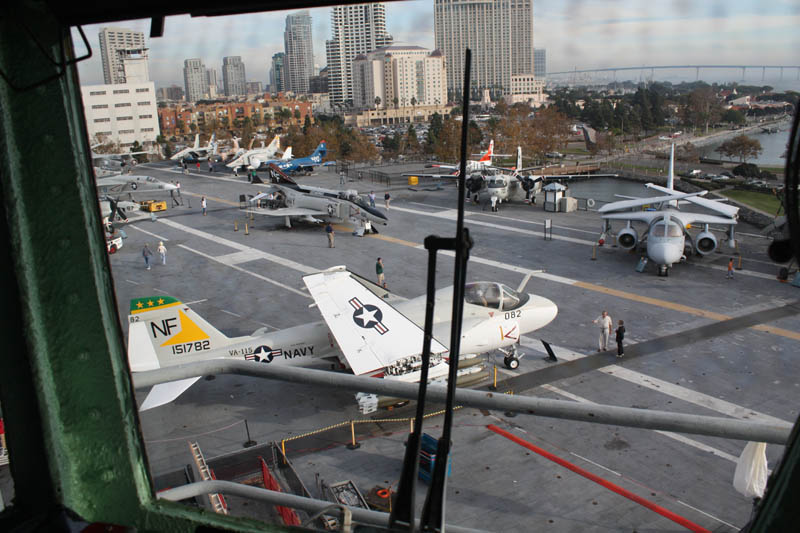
<point>729,275</point>
<point>331,235</point>
<point>379,272</point>
<point>162,252</point>
<point>620,337</point>
<point>606,325</point>
<point>203,204</point>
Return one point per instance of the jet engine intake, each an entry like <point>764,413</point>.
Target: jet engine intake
<point>627,238</point>
<point>705,243</point>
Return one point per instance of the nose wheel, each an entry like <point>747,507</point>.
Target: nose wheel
<point>663,271</point>
<point>511,357</point>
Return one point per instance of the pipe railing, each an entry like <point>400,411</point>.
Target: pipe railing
<point>711,426</point>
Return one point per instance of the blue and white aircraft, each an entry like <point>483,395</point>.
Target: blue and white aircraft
<point>304,164</point>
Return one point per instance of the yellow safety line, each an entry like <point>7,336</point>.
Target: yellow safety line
<point>646,299</point>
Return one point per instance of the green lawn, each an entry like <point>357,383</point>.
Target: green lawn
<point>765,201</point>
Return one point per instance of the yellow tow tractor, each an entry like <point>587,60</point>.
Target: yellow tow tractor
<point>152,206</point>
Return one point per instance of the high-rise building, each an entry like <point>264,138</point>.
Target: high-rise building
<point>299,52</point>
<point>540,62</point>
<point>233,76</point>
<point>254,87</point>
<point>357,29</point>
<point>133,65</point>
<point>499,33</point>
<point>277,75</point>
<point>399,76</point>
<point>212,83</point>
<point>195,79</point>
<point>112,40</point>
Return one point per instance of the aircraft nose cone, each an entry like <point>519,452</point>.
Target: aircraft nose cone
<point>665,253</point>
<point>544,310</point>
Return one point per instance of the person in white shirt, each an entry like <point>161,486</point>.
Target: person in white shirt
<point>606,325</point>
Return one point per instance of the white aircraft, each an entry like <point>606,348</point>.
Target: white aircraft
<point>281,196</point>
<point>472,166</point>
<point>196,152</point>
<point>257,162</point>
<point>256,155</point>
<point>111,189</point>
<point>361,330</point>
<point>667,226</point>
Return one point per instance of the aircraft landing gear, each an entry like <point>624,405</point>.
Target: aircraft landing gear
<point>663,271</point>
<point>511,357</point>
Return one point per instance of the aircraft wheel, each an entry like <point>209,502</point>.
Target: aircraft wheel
<point>511,362</point>
<point>663,271</point>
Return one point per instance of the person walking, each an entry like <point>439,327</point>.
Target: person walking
<point>198,166</point>
<point>379,272</point>
<point>619,338</point>
<point>729,275</point>
<point>606,325</point>
<point>372,198</point>
<point>147,254</point>
<point>236,171</point>
<point>203,204</point>
<point>210,166</point>
<point>185,167</point>
<point>162,252</point>
<point>386,198</point>
<point>331,235</point>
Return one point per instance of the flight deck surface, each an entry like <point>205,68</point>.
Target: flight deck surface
<point>682,354</point>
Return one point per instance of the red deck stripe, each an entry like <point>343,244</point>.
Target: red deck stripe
<point>607,484</point>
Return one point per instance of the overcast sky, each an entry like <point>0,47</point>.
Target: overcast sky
<point>578,34</point>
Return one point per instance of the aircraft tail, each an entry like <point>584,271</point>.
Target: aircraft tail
<point>235,144</point>
<point>275,145</point>
<point>321,150</point>
<point>519,159</point>
<point>671,174</point>
<point>487,157</point>
<point>196,142</point>
<point>164,332</point>
<point>287,154</point>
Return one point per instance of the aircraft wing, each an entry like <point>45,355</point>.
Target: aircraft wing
<point>725,209</point>
<point>163,393</point>
<point>629,204</point>
<point>636,216</point>
<point>687,218</point>
<point>289,212</point>
<point>370,332</point>
<point>684,217</point>
<point>437,176</point>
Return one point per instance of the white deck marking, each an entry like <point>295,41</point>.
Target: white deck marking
<point>240,269</point>
<point>708,515</point>
<point>133,282</point>
<point>241,247</point>
<point>196,301</point>
<point>159,237</point>
<point>536,222</point>
<point>670,389</point>
<point>231,313</point>
<point>675,436</point>
<point>239,257</point>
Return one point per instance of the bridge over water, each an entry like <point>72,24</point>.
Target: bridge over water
<point>779,69</point>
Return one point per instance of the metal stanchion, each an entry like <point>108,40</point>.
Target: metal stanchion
<point>353,444</point>
<point>235,225</point>
<point>250,442</point>
<point>246,229</point>
<point>594,252</point>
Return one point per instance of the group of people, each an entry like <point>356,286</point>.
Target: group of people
<point>147,253</point>
<point>606,328</point>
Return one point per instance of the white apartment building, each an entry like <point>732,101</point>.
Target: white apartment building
<point>195,78</point>
<point>400,76</point>
<point>121,113</point>
<point>299,49</point>
<point>357,29</point>
<point>111,41</point>
<point>499,33</point>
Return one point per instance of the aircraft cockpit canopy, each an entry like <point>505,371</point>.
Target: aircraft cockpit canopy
<point>494,295</point>
<point>660,229</point>
<point>496,183</point>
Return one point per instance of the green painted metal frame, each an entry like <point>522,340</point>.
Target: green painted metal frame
<point>71,419</point>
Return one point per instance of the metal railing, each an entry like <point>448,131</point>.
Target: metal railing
<point>595,413</point>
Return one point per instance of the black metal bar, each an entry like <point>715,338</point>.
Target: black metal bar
<point>402,514</point>
<point>433,510</point>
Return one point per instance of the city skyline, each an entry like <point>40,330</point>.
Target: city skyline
<point>732,32</point>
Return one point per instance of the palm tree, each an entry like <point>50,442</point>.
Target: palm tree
<point>377,102</point>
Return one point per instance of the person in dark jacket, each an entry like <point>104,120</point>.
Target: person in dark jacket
<point>620,337</point>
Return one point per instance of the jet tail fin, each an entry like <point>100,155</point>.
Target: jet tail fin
<point>519,159</point>
<point>196,142</point>
<point>164,332</point>
<point>671,174</point>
